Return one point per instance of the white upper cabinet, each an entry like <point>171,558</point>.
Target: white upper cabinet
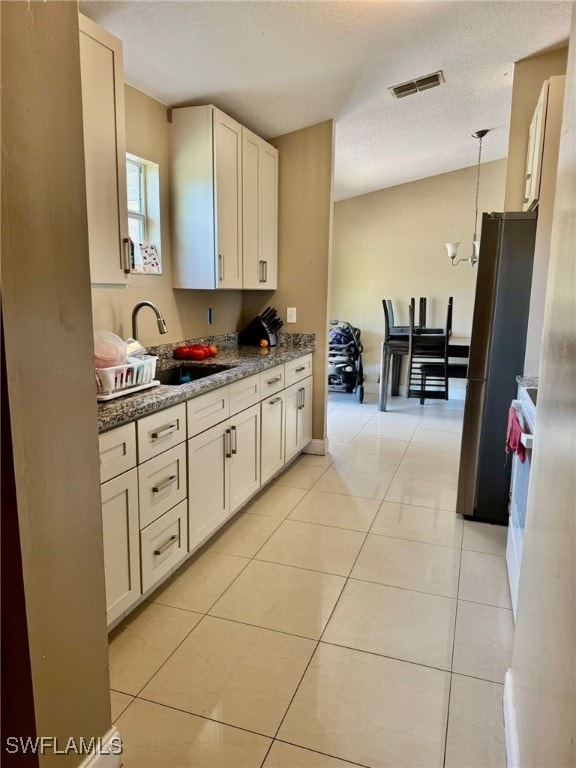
<point>224,202</point>
<point>535,150</point>
<point>206,198</point>
<point>260,211</point>
<point>105,153</point>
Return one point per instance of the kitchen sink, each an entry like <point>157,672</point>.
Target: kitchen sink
<point>185,373</point>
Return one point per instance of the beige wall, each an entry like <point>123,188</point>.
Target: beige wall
<point>46,301</point>
<point>390,244</point>
<point>529,75</point>
<point>543,664</point>
<point>147,136</point>
<point>304,247</point>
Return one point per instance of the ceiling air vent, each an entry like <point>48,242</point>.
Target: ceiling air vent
<point>421,84</point>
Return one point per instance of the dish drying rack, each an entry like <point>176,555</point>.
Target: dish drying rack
<point>126,379</point>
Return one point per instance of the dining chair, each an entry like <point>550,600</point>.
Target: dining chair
<point>390,328</point>
<point>428,360</point>
<point>450,370</point>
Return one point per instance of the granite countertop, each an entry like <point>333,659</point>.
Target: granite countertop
<point>246,361</point>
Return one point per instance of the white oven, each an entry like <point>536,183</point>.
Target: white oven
<point>525,406</point>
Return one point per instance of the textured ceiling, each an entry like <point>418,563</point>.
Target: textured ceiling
<point>281,65</point>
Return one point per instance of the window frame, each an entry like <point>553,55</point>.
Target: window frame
<point>139,216</point>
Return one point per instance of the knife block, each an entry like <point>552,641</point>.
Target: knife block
<point>255,332</point>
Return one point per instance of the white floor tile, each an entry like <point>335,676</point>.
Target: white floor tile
<point>378,463</point>
<point>423,469</point>
<point>234,673</point>
<point>431,526</point>
<point>376,445</point>
<point>475,725</point>
<point>300,475</point>
<point>483,537</point>
<point>422,493</point>
<point>284,755</point>
<point>366,485</point>
<point>484,579</point>
<point>244,535</point>
<point>350,512</point>
<point>437,437</point>
<point>315,547</point>
<point>276,501</point>
<point>369,709</point>
<point>154,736</point>
<point>280,597</point>
<point>198,585</point>
<point>230,636</point>
<point>483,641</point>
<point>399,623</point>
<point>408,564</point>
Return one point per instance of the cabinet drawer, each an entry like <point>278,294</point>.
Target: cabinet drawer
<point>298,369</point>
<point>161,431</point>
<point>244,393</point>
<point>161,483</point>
<point>117,451</point>
<point>207,410</point>
<point>272,381</point>
<point>163,544</point>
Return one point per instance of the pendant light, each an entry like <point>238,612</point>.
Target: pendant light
<point>452,248</point>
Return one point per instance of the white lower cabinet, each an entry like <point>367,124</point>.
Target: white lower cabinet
<point>156,512</point>
<point>121,543</point>
<point>244,463</point>
<point>272,447</point>
<point>163,545</point>
<point>208,489</point>
<point>298,417</point>
<point>223,472</point>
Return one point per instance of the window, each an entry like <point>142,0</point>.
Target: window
<point>143,197</point>
<point>136,188</point>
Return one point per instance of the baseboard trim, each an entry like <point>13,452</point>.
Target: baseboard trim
<point>510,728</point>
<point>108,754</point>
<point>317,447</point>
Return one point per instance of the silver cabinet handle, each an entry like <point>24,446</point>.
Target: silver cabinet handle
<point>169,429</point>
<point>221,267</point>
<point>265,271</point>
<point>164,483</point>
<point>275,380</point>
<point>274,400</point>
<point>166,545</point>
<point>228,444</point>
<point>299,405</point>
<point>303,398</point>
<point>300,369</point>
<point>126,254</point>
<point>262,269</point>
<point>234,440</point>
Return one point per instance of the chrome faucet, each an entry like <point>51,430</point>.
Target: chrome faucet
<point>159,319</point>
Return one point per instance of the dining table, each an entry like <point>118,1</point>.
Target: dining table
<point>396,347</point>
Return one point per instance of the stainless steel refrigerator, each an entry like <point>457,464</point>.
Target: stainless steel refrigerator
<point>497,349</point>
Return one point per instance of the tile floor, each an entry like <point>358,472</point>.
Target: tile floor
<point>346,617</point>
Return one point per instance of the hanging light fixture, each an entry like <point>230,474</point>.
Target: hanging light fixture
<point>452,248</point>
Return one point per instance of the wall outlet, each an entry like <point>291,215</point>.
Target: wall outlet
<point>290,314</point>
